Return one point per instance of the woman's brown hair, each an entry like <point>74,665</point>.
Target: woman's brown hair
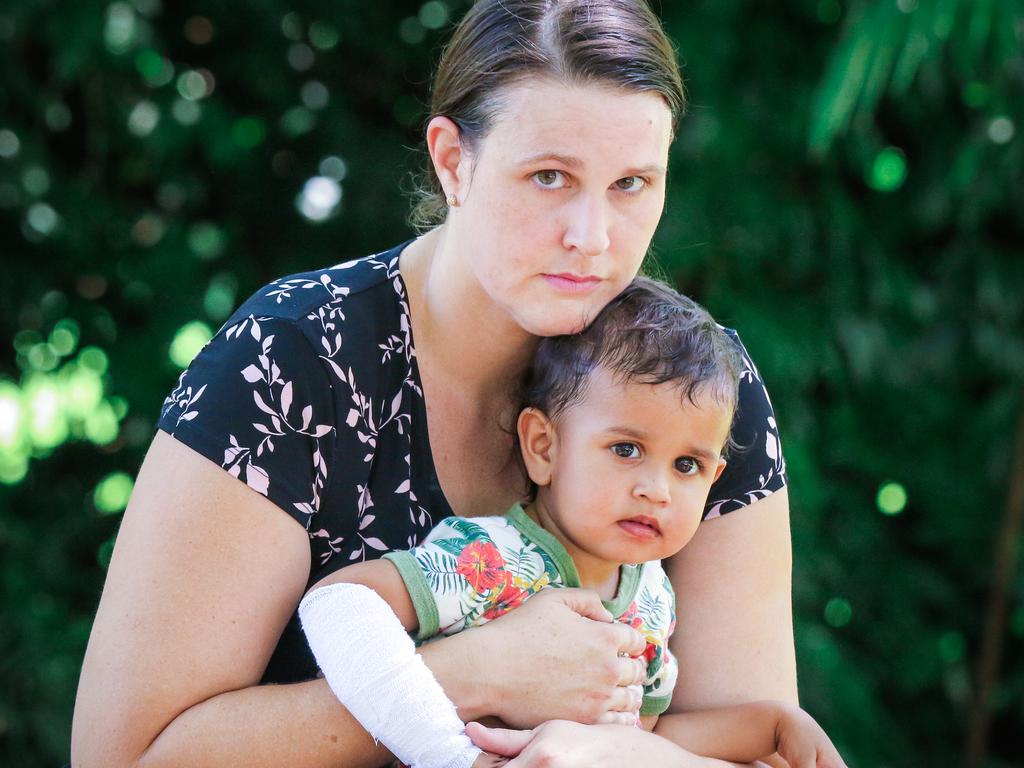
<point>499,42</point>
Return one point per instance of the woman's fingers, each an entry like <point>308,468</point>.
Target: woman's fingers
<point>584,602</point>
<point>631,642</point>
<point>631,671</point>
<point>499,741</point>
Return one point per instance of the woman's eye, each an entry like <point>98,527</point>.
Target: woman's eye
<point>631,183</point>
<point>626,450</point>
<point>550,179</point>
<point>687,465</point>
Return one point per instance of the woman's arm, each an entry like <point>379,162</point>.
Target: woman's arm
<point>733,584</point>
<point>205,575</point>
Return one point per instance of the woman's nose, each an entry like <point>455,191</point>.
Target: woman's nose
<point>586,230</point>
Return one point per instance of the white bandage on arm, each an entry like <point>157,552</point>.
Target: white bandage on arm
<point>372,666</point>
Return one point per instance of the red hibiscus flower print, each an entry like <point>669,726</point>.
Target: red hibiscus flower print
<point>508,598</point>
<point>650,652</point>
<point>482,565</point>
<point>631,618</point>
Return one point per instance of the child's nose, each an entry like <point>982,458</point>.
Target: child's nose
<point>654,487</point>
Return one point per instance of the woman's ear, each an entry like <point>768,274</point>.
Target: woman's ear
<point>537,444</point>
<point>447,155</point>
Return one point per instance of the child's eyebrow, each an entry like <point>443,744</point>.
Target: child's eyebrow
<point>638,434</point>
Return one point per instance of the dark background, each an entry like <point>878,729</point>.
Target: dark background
<point>846,191</point>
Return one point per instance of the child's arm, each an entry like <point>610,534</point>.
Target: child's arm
<point>747,732</point>
<point>383,578</point>
<point>356,623</point>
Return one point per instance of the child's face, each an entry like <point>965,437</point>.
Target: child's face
<point>623,476</point>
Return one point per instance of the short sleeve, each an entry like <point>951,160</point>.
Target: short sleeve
<point>755,467</point>
<point>257,402</point>
<point>457,577</point>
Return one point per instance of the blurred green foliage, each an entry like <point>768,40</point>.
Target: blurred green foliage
<point>846,191</point>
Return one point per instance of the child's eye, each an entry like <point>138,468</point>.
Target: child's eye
<point>631,183</point>
<point>626,450</point>
<point>687,465</point>
<point>550,179</point>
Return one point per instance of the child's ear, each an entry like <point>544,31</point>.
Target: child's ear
<point>721,465</point>
<point>536,443</point>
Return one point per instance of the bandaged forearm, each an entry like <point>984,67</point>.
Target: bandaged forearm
<point>372,666</point>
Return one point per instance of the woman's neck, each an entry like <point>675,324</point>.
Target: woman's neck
<point>456,325</point>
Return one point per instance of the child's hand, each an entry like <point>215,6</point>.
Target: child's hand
<point>803,743</point>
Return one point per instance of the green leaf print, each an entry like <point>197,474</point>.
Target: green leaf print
<point>440,573</point>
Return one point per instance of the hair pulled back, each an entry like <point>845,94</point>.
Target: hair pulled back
<point>499,42</point>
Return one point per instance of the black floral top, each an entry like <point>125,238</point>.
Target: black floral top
<point>311,395</point>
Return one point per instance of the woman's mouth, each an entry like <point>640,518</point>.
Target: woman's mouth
<point>569,283</point>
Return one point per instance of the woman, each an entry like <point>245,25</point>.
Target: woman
<point>549,137</point>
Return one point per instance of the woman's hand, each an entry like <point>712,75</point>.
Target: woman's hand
<point>559,656</point>
<point>563,744</point>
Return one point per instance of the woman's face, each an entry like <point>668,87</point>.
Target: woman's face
<point>561,200</point>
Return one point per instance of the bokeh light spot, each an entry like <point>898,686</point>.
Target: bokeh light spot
<point>47,426</point>
<point>323,36</point>
<point>42,357</point>
<point>433,14</point>
<point>411,31</point>
<point>297,121</point>
<point>186,112</point>
<point>154,68</point>
<point>291,26</point>
<point>1001,130</point>
<point>248,132</point>
<point>300,57</point>
<point>319,198</point>
<point>42,218</point>
<point>113,492</point>
<point>891,499</point>
<point>188,341</point>
<point>10,414</point>
<point>192,85</point>
<point>9,143</point>
<point>206,240</point>
<point>952,647</point>
<point>35,180</point>
<point>199,30</point>
<point>219,298</point>
<point>64,336</point>
<point>101,425</point>
<point>314,94</point>
<point>888,171</point>
<point>83,392</point>
<point>333,167</point>
<point>143,118</point>
<point>838,612</point>
<point>121,28</point>
<point>95,359</point>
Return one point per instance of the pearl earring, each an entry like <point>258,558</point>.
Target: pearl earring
<point>453,200</point>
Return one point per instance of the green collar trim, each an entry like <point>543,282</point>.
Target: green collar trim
<point>629,575</point>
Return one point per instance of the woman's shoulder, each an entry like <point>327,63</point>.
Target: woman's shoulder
<point>755,467</point>
<point>369,280</point>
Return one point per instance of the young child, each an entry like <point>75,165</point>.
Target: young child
<point>623,430</point>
